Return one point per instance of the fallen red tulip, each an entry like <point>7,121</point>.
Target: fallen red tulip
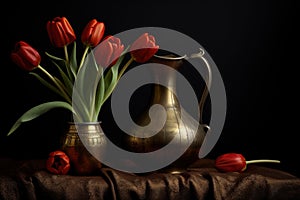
<point>58,163</point>
<point>235,162</point>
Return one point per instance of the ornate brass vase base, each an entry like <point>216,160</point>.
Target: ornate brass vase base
<point>78,142</point>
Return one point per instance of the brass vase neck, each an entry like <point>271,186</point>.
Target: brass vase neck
<point>166,94</point>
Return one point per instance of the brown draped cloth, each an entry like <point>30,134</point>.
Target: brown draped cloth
<point>30,180</point>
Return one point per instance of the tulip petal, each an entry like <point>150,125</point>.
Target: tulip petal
<point>60,32</point>
<point>58,162</point>
<point>93,33</point>
<point>25,56</point>
<point>143,48</point>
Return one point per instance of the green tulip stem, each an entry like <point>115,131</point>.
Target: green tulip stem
<point>92,108</point>
<point>118,78</point>
<point>56,83</point>
<point>83,57</point>
<point>125,67</point>
<point>262,161</point>
<point>66,54</point>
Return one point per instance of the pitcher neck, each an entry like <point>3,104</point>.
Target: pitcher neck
<point>165,95</point>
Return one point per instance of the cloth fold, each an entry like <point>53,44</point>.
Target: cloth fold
<point>29,180</point>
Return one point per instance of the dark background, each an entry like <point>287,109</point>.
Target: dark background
<point>253,43</point>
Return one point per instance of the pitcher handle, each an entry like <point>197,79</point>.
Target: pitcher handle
<point>207,81</point>
<point>206,128</point>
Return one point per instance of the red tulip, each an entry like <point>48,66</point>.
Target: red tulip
<point>93,33</point>
<point>234,162</point>
<point>143,48</point>
<point>231,162</point>
<point>108,51</point>
<point>60,32</point>
<point>25,56</point>
<point>58,163</point>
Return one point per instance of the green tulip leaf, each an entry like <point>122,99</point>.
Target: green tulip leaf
<point>38,111</point>
<point>95,86</point>
<point>86,79</point>
<point>108,77</point>
<point>80,107</point>
<point>73,62</point>
<point>54,57</point>
<point>63,62</point>
<point>68,84</point>
<point>45,83</point>
<point>99,94</point>
<point>112,80</point>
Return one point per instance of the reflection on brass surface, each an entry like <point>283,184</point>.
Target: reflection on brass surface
<point>164,96</point>
<point>91,135</point>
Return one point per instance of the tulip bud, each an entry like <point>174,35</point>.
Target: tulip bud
<point>231,162</point>
<point>92,33</point>
<point>234,162</point>
<point>60,32</point>
<point>58,163</point>
<point>25,56</point>
<point>143,48</point>
<point>108,51</point>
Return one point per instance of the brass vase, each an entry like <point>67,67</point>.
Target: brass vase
<point>83,143</point>
<point>166,96</point>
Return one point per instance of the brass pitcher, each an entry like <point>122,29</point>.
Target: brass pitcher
<point>164,96</point>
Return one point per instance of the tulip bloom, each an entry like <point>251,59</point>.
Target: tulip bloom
<point>234,162</point>
<point>60,32</point>
<point>92,33</point>
<point>25,56</point>
<point>58,162</point>
<point>143,48</point>
<point>108,51</point>
<point>231,162</point>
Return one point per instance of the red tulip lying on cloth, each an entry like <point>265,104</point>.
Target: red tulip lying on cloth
<point>234,162</point>
<point>58,163</point>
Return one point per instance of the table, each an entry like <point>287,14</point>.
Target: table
<point>29,180</point>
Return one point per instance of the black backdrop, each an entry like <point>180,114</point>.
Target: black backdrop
<point>252,43</point>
